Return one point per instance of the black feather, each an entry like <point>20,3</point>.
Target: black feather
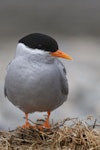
<point>40,41</point>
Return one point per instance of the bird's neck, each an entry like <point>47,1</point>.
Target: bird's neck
<point>33,54</point>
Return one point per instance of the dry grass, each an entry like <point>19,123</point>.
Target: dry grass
<point>78,135</point>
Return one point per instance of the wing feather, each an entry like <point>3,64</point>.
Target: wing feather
<point>63,78</point>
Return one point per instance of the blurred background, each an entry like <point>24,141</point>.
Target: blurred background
<point>76,27</point>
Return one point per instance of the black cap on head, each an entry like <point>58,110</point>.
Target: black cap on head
<point>40,41</point>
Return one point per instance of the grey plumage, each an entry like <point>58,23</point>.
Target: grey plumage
<point>35,81</point>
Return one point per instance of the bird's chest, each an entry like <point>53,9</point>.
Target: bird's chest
<point>26,76</point>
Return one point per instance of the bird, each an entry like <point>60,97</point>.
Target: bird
<point>35,79</point>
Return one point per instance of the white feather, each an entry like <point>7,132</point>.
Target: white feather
<point>22,49</point>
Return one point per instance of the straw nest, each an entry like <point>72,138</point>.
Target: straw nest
<point>75,135</point>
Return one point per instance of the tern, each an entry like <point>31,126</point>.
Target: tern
<point>36,78</point>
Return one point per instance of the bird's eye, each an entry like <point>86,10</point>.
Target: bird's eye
<point>39,46</point>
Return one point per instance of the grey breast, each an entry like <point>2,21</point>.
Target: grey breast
<point>36,86</point>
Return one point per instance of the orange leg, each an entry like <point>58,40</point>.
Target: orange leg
<point>46,123</point>
<point>27,124</point>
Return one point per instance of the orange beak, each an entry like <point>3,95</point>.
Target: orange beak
<point>61,54</point>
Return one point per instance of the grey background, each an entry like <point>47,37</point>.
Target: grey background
<point>76,27</point>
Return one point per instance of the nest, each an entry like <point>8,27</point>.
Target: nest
<point>78,135</point>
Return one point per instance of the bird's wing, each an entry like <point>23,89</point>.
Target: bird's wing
<point>5,91</point>
<point>63,79</point>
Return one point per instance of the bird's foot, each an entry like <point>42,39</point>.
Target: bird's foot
<point>43,126</point>
<point>46,124</point>
<point>27,125</point>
